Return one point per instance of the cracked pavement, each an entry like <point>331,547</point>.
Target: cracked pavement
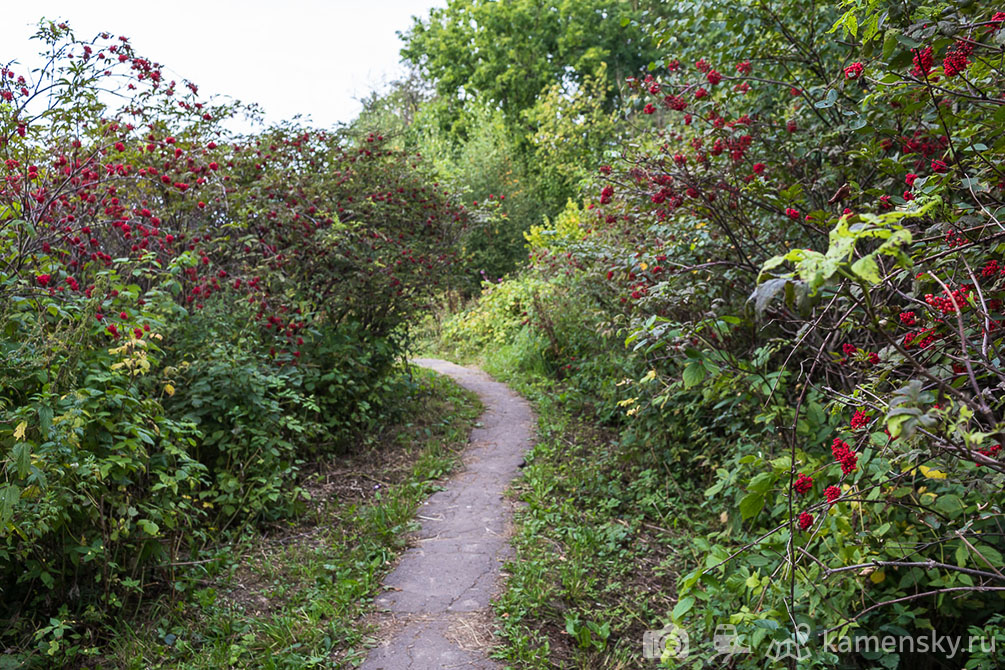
<point>438,598</point>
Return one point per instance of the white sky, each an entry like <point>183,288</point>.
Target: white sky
<point>295,56</point>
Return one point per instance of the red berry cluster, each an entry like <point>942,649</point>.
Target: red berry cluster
<point>860,420</point>
<point>923,338</point>
<point>948,304</point>
<point>854,71</point>
<point>990,452</point>
<point>923,62</point>
<point>803,484</point>
<point>991,269</point>
<point>844,455</point>
<point>957,58</point>
<point>954,239</point>
<point>832,493</point>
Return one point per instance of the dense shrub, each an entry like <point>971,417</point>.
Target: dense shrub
<point>184,316</point>
<point>803,256</point>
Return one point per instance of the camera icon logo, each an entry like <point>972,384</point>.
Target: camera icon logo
<point>670,641</point>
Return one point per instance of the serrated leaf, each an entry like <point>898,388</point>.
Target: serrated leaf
<point>22,458</point>
<point>871,28</point>
<point>851,24</point>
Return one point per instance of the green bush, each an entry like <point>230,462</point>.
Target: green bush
<point>185,316</point>
<point>803,256</point>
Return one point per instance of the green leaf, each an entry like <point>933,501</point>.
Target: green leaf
<point>682,607</point>
<point>45,415</point>
<point>149,527</point>
<point>766,292</point>
<point>693,374</point>
<point>851,24</point>
<point>22,458</point>
<point>867,269</point>
<point>961,554</point>
<point>871,28</point>
<point>829,101</point>
<point>692,578</point>
<point>751,504</point>
<point>950,505</point>
<point>992,555</point>
<point>8,499</point>
<point>761,483</point>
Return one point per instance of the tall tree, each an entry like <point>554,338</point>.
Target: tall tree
<point>510,51</point>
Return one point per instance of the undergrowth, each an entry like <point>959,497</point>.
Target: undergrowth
<point>295,594</point>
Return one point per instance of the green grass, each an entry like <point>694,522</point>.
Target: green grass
<point>295,595</point>
<point>600,542</point>
<point>602,535</point>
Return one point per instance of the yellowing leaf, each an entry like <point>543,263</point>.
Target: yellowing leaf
<point>169,389</point>
<point>877,577</point>
<point>644,266</point>
<point>932,473</point>
<point>19,431</point>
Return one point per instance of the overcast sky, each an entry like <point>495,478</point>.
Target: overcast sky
<point>293,56</point>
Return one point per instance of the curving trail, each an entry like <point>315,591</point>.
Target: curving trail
<point>435,608</point>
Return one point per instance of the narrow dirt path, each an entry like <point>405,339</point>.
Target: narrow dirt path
<point>435,608</point>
